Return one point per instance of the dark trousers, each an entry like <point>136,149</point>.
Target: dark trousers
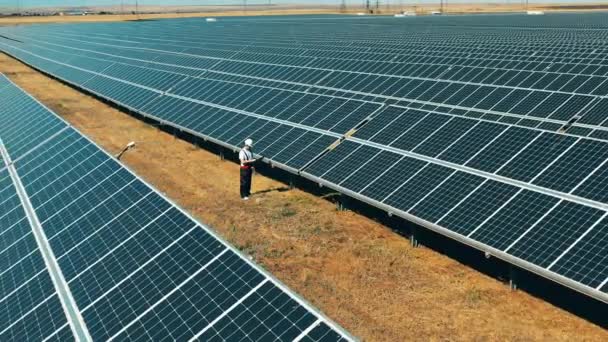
<point>246,182</point>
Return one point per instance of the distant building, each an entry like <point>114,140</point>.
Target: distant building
<point>75,12</point>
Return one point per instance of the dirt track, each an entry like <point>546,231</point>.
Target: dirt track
<point>357,271</point>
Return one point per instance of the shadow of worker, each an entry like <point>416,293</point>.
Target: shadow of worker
<point>277,189</point>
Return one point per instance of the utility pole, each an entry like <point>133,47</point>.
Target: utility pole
<point>342,6</point>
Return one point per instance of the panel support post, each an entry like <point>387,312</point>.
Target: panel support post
<point>414,237</point>
<point>513,278</point>
<point>292,182</point>
<point>341,203</point>
<point>222,156</point>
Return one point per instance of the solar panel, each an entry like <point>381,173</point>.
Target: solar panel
<point>491,130</point>
<point>88,251</point>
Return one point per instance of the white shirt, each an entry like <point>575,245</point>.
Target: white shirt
<point>245,155</point>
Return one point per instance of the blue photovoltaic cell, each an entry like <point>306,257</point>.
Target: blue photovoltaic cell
<point>333,158</point>
<point>586,260</point>
<point>25,123</point>
<point>494,155</point>
<point>370,170</point>
<point>478,207</point>
<point>392,178</point>
<point>437,203</point>
<point>575,165</point>
<point>416,188</point>
<point>535,157</point>
<point>555,232</point>
<point>512,220</point>
<point>29,310</point>
<point>594,186</point>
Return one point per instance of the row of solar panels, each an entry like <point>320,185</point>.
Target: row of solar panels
<point>137,267</point>
<point>544,100</point>
<point>322,119</point>
<point>460,57</point>
<point>528,195</point>
<point>382,24</point>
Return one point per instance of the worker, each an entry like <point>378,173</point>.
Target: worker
<point>246,158</point>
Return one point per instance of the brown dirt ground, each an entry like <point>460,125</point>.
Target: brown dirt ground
<point>361,274</point>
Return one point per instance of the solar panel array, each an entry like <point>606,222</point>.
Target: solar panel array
<point>88,251</point>
<point>488,129</point>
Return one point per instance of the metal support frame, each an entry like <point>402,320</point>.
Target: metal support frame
<point>341,202</point>
<point>414,237</point>
<point>292,181</point>
<point>513,281</point>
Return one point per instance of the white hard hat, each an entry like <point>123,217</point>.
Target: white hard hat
<point>249,142</point>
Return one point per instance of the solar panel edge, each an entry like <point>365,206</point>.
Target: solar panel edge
<point>276,282</point>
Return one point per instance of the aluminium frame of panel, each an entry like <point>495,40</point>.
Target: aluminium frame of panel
<point>321,317</point>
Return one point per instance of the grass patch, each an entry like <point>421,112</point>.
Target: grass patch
<point>473,297</point>
<point>284,212</point>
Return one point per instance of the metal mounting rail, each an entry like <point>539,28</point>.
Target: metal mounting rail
<point>68,303</point>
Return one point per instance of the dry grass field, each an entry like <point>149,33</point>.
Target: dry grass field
<point>144,16</point>
<point>164,12</point>
<point>357,271</point>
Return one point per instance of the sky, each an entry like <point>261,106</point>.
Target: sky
<point>53,3</point>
